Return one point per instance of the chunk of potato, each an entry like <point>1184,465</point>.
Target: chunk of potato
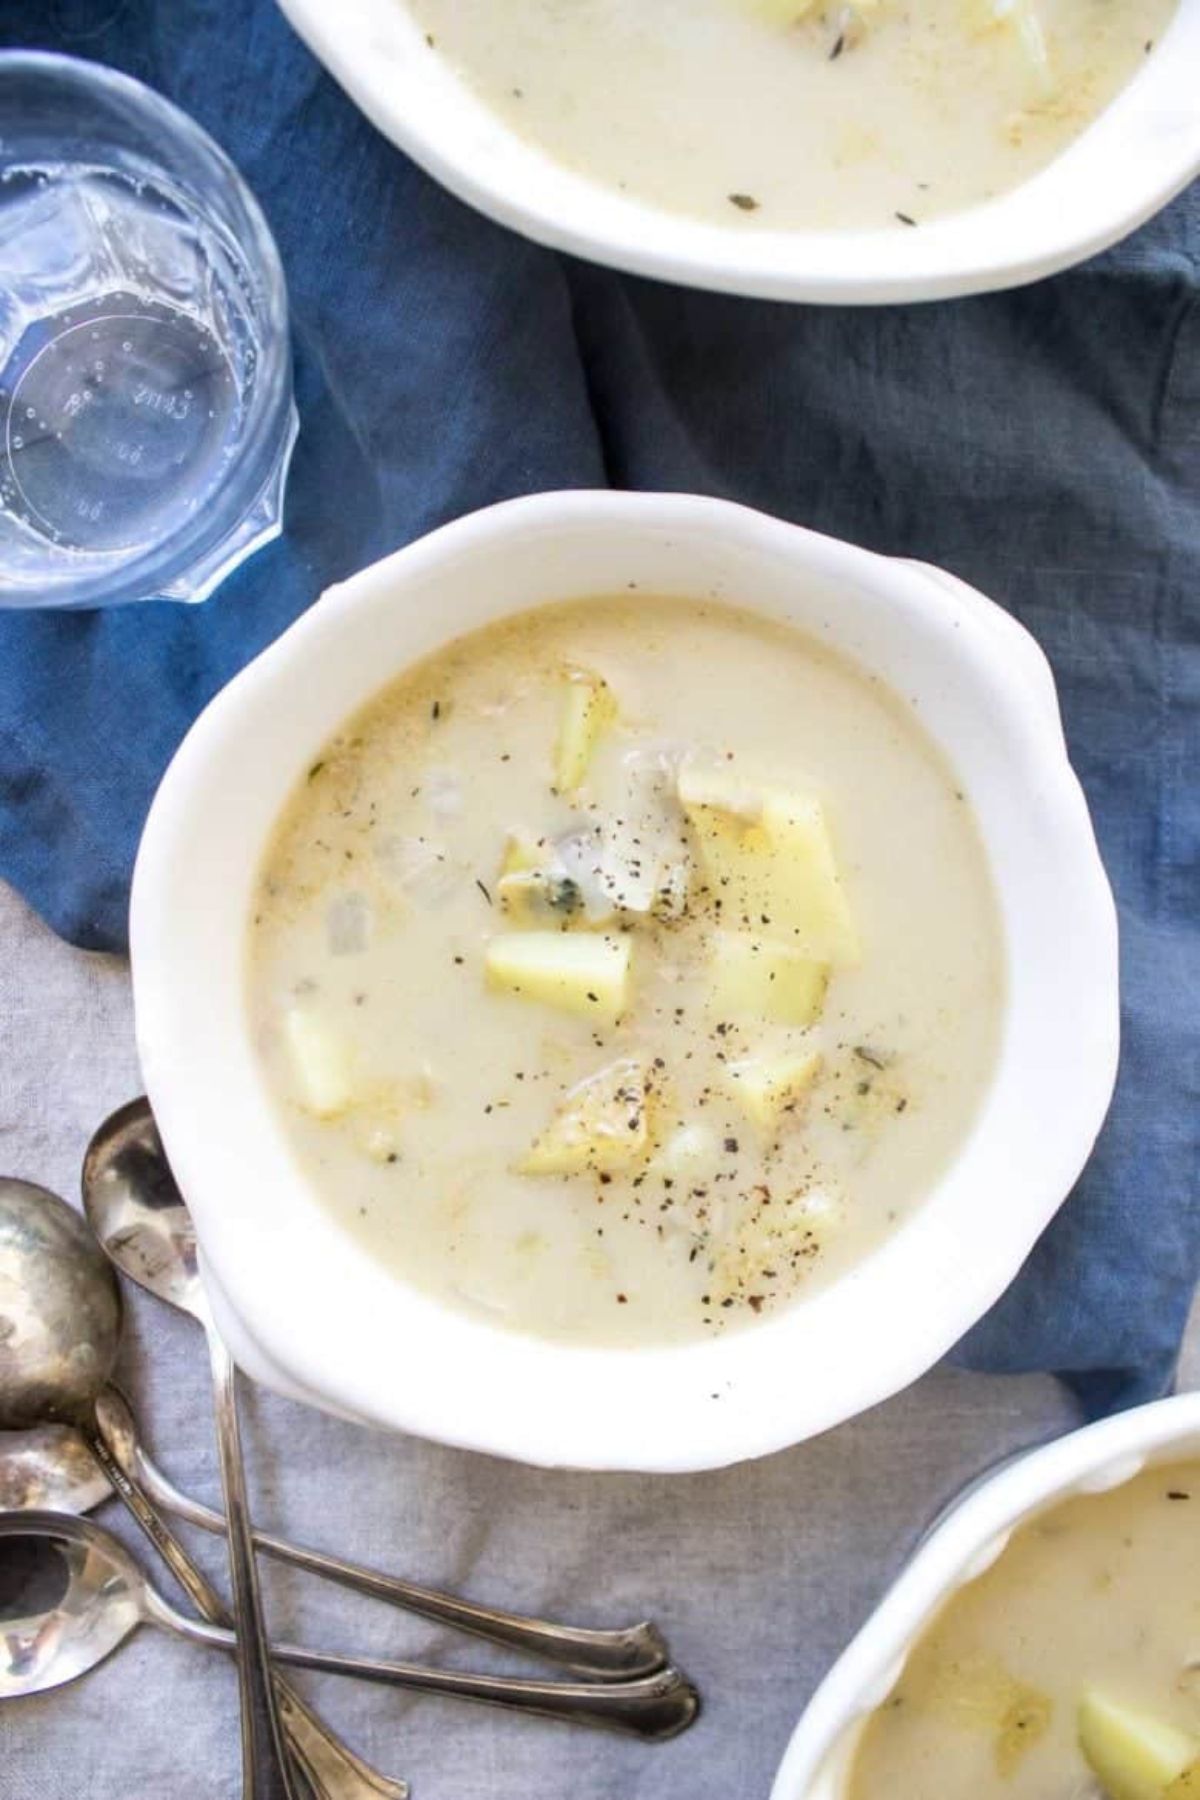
<point>764,979</point>
<point>539,896</point>
<point>718,788</point>
<point>522,853</point>
<point>322,1062</point>
<point>588,708</point>
<point>768,1086</point>
<point>535,887</point>
<point>769,862</point>
<point>785,1234</point>
<point>581,972</point>
<point>1134,1755</point>
<point>600,1125</point>
<point>805,889</point>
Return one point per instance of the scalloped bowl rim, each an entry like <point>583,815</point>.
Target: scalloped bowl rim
<point>1140,152</point>
<point>308,1310</point>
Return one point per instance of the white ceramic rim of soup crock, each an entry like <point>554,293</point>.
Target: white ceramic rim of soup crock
<point>308,1310</point>
<point>1135,157</point>
<point>818,1760</point>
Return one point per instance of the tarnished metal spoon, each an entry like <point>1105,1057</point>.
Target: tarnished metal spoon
<point>121,1225</point>
<point>60,1327</point>
<point>50,1467</point>
<point>103,1596</point>
<point>64,1473</point>
<point>141,1219</point>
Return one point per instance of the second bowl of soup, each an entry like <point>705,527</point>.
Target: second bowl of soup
<point>839,153</point>
<point>640,940</point>
<point>1044,1642</point>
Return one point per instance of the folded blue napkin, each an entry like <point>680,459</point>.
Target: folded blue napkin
<point>1044,444</point>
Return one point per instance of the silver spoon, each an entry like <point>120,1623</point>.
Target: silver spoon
<point>51,1468</point>
<point>60,1326</point>
<point>142,1221</point>
<point>266,1767</point>
<point>75,1327</point>
<point>106,1597</point>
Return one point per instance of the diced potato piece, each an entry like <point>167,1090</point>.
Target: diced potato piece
<point>582,972</point>
<point>588,708</point>
<point>522,853</point>
<point>1134,1755</point>
<point>322,1062</point>
<point>1185,1786</point>
<point>771,1238</point>
<point>535,887</point>
<point>539,896</point>
<point>718,789</point>
<point>600,1125</point>
<point>764,979</point>
<point>769,862</point>
<point>805,889</point>
<point>768,1086</point>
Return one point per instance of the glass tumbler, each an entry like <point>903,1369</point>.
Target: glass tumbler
<point>146,411</point>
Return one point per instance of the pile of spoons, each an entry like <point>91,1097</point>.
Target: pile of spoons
<point>69,1439</point>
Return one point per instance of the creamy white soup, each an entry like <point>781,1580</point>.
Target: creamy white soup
<point>1069,1671</point>
<point>626,970</point>
<point>792,113</point>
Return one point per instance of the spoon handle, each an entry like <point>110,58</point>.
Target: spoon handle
<point>332,1769</point>
<point>266,1766</point>
<point>653,1707</point>
<point>602,1655</point>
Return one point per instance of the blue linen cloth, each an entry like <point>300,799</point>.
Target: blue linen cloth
<point>1044,444</point>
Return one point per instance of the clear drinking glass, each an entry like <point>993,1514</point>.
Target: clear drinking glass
<point>146,411</point>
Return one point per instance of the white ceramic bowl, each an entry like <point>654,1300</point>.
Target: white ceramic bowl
<point>1132,160</point>
<point>305,1306</point>
<point>818,1761</point>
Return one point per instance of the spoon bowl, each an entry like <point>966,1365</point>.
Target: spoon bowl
<point>60,1310</point>
<point>138,1213</point>
<point>49,1468</point>
<point>103,1600</point>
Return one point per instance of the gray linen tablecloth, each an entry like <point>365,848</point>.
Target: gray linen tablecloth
<point>760,1574</point>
